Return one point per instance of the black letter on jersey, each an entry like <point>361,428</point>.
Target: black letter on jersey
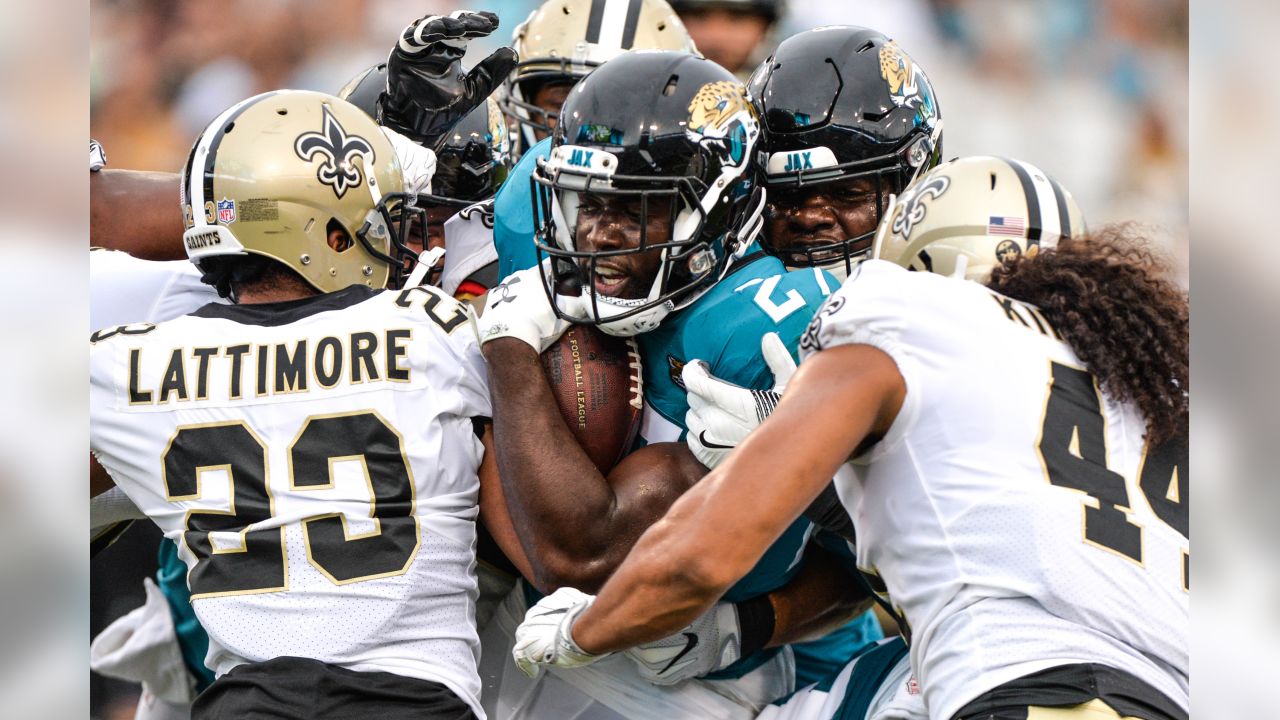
<point>136,396</point>
<point>236,353</point>
<point>202,356</point>
<point>291,372</point>
<point>363,346</point>
<point>175,378</point>
<point>395,351</point>
<point>328,370</point>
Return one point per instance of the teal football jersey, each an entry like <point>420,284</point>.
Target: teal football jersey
<point>513,214</point>
<point>723,328</point>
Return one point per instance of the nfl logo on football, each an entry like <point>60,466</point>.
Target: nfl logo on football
<point>226,211</point>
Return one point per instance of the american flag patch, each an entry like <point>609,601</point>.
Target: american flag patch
<point>1002,225</point>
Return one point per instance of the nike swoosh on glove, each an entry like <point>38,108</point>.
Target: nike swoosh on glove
<point>428,91</point>
<point>546,635</point>
<point>518,307</point>
<point>722,414</point>
<point>710,643</point>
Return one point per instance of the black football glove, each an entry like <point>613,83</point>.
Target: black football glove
<point>427,89</point>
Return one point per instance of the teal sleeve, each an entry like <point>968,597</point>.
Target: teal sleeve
<point>513,215</point>
<point>192,639</point>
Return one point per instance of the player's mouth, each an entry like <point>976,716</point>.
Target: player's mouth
<point>611,280</point>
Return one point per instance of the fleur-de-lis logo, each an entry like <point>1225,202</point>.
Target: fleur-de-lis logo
<point>913,207</point>
<point>338,149</point>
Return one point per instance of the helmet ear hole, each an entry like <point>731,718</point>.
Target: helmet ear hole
<point>338,237</point>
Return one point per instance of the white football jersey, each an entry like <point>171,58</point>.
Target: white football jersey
<point>1013,511</point>
<point>316,462</point>
<point>124,289</point>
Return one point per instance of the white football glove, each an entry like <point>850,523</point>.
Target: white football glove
<point>417,163</point>
<point>721,414</point>
<point>545,637</point>
<point>712,642</point>
<point>518,307</point>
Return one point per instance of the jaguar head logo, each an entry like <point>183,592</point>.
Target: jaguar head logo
<point>337,150</point>
<point>908,86</point>
<point>720,111</point>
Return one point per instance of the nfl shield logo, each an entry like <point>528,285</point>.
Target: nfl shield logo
<point>226,211</point>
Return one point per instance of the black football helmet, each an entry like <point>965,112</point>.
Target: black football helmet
<point>646,128</point>
<point>472,159</point>
<point>363,89</point>
<point>842,103</point>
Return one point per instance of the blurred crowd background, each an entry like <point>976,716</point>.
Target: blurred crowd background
<point>1095,92</point>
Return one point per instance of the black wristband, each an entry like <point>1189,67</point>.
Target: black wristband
<point>755,622</point>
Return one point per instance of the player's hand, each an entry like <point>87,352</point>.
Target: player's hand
<point>721,414</point>
<point>428,90</point>
<point>518,307</point>
<point>546,635</point>
<point>710,643</point>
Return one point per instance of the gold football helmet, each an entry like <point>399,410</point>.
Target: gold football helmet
<point>281,173</point>
<point>969,214</point>
<point>563,40</point>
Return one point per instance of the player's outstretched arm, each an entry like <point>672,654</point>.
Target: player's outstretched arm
<point>819,599</point>
<point>137,212</point>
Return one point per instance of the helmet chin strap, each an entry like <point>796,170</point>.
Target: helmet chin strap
<point>426,263</point>
<point>608,310</point>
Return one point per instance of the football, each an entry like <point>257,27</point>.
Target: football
<point>595,378</point>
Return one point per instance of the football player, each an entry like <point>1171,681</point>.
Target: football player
<point>648,209</point>
<point>849,120</point>
<point>1017,462</point>
<point>129,212</point>
<point>563,40</point>
<point>732,33</point>
<point>329,538</point>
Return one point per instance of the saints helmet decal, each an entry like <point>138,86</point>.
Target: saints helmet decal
<point>337,149</point>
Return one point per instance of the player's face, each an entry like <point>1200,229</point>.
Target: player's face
<point>549,97</point>
<point>726,36</point>
<point>820,214</point>
<point>614,222</point>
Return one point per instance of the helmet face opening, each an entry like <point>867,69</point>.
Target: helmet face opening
<point>821,214</point>
<point>396,224</point>
<point>621,244</point>
<point>646,195</point>
<point>519,107</point>
<point>850,120</point>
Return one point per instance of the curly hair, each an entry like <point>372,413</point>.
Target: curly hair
<point>1111,299</point>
